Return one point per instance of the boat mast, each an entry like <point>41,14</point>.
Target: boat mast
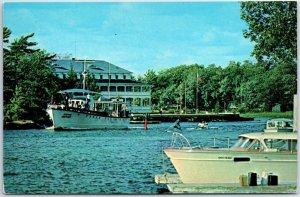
<point>197,76</point>
<point>185,97</point>
<point>109,80</point>
<point>84,74</point>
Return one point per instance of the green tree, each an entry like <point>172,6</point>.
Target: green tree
<point>71,80</point>
<point>12,55</point>
<point>273,28</point>
<point>91,83</point>
<point>29,81</point>
<point>211,78</point>
<point>6,34</point>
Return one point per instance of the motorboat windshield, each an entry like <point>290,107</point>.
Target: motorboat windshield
<point>268,142</point>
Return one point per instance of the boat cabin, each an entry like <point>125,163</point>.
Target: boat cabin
<point>89,101</point>
<point>267,142</point>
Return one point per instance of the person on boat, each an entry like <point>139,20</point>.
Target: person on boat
<point>123,110</point>
<point>67,101</point>
<point>87,105</point>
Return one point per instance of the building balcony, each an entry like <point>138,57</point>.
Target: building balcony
<point>126,94</point>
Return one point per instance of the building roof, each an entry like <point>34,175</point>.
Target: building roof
<point>94,66</point>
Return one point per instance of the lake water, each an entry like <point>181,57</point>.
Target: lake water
<point>100,162</point>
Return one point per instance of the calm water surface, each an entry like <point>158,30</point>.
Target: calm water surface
<point>100,162</point>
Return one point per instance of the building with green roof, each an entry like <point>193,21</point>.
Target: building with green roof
<point>112,81</point>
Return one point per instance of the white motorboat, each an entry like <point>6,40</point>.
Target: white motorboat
<point>202,125</point>
<point>279,125</point>
<point>79,111</point>
<point>260,153</point>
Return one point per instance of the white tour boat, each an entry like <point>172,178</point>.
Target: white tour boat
<point>261,153</point>
<point>79,111</point>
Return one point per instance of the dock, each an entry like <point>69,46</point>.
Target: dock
<point>176,186</point>
<point>138,118</point>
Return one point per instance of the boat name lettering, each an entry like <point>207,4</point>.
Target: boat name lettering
<point>224,157</point>
<point>66,115</point>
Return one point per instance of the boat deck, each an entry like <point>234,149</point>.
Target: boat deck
<point>176,186</point>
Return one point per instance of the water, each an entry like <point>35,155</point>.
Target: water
<point>100,162</point>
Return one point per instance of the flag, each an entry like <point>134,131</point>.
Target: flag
<point>175,127</point>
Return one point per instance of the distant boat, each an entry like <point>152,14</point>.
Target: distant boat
<point>202,125</point>
<point>279,125</point>
<point>259,153</point>
<point>77,110</point>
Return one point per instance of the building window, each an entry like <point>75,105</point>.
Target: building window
<point>103,88</point>
<point>117,76</point>
<point>124,76</point>
<point>128,88</point>
<point>146,102</point>
<point>146,89</point>
<point>121,88</point>
<point>112,88</point>
<point>101,76</point>
<point>137,89</point>
<point>129,101</point>
<point>109,76</point>
<point>137,101</point>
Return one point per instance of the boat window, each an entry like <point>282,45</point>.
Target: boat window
<point>292,145</point>
<point>240,141</point>
<point>243,143</point>
<point>281,144</point>
<point>247,143</point>
<point>255,145</point>
<point>279,124</point>
<point>271,124</point>
<point>289,124</point>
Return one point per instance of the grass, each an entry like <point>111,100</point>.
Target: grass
<point>288,114</point>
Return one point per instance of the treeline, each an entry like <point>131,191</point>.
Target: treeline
<point>248,86</point>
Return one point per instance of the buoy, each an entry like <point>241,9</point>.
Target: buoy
<point>145,123</point>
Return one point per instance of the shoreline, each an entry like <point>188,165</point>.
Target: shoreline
<point>22,125</point>
<point>29,124</point>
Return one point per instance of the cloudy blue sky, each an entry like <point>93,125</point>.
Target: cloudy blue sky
<point>135,36</point>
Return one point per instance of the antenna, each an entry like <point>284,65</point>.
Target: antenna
<point>108,80</point>
<point>84,73</point>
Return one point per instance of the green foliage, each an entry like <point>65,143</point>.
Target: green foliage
<point>273,27</point>
<point>6,34</point>
<point>16,109</point>
<point>137,101</point>
<point>250,87</point>
<point>91,82</point>
<point>71,80</point>
<point>29,80</point>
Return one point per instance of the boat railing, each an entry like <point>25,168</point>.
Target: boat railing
<point>221,141</point>
<point>180,141</point>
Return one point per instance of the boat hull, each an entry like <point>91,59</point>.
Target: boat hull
<point>76,120</point>
<point>225,167</point>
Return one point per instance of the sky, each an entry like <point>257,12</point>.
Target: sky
<point>135,36</point>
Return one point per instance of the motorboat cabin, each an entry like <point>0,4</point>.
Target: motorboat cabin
<point>267,142</point>
<point>279,125</point>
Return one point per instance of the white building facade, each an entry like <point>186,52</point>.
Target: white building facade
<point>112,81</point>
